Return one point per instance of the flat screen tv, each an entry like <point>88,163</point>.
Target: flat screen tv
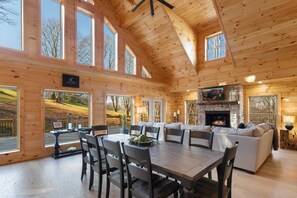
<point>213,93</point>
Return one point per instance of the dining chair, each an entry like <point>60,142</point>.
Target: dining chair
<point>84,151</point>
<point>135,130</point>
<point>138,165</point>
<point>152,132</point>
<point>114,159</point>
<point>99,129</point>
<point>174,135</point>
<point>201,139</point>
<point>97,163</point>
<point>205,187</point>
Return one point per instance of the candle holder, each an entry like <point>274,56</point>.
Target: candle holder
<point>69,121</point>
<point>174,119</point>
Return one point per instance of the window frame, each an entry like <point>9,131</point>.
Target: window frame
<point>128,49</point>
<point>116,36</point>
<point>216,48</point>
<point>91,15</point>
<point>147,74</point>
<point>62,23</point>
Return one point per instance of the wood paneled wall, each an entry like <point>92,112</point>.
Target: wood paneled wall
<point>32,74</point>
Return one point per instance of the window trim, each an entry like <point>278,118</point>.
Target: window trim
<point>110,26</point>
<point>148,75</point>
<point>91,15</point>
<point>206,49</point>
<point>135,62</point>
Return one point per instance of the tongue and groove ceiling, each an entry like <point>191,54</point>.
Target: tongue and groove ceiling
<point>261,37</point>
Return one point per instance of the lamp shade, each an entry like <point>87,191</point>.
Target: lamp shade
<point>139,110</point>
<point>289,119</point>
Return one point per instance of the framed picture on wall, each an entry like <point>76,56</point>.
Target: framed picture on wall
<point>57,125</point>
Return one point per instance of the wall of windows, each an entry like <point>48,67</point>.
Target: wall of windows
<point>110,53</point>
<point>84,38</point>
<point>11,22</point>
<point>130,61</point>
<point>215,47</point>
<point>68,107</point>
<point>9,138</point>
<point>191,112</point>
<point>52,29</point>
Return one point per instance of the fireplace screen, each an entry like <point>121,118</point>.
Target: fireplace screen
<point>217,118</point>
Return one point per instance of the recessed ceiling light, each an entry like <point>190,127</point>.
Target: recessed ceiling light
<point>260,82</point>
<point>188,90</point>
<point>250,79</point>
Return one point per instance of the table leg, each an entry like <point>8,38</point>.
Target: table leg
<point>57,146</point>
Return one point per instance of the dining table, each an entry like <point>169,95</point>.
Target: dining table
<point>184,163</point>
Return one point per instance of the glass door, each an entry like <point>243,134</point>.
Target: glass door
<point>153,110</point>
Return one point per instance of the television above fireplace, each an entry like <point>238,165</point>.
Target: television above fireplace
<point>213,93</point>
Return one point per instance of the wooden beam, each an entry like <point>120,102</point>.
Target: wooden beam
<point>131,17</point>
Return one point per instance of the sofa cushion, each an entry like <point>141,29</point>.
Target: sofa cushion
<point>226,130</point>
<point>258,131</point>
<point>249,125</point>
<point>196,127</point>
<point>246,132</point>
<point>172,125</point>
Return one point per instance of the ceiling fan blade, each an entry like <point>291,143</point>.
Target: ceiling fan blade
<point>139,4</point>
<point>167,4</point>
<point>152,7</point>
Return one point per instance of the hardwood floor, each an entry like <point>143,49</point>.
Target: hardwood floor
<point>48,177</point>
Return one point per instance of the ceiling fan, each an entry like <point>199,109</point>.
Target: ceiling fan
<point>152,5</point>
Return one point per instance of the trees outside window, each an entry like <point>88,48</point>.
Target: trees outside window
<point>84,40</point>
<point>215,47</point>
<point>110,47</point>
<point>130,61</point>
<point>52,33</point>
<point>11,17</point>
<point>9,138</point>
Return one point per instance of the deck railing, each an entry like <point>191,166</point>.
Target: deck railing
<point>8,127</point>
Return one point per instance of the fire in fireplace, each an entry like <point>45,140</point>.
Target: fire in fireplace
<point>217,118</point>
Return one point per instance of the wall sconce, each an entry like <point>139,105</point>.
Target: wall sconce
<point>140,111</point>
<point>289,120</point>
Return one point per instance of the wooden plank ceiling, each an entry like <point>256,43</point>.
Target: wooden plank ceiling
<point>261,34</point>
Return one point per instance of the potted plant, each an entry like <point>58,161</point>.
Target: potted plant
<point>124,129</point>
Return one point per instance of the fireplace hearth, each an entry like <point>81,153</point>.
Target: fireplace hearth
<point>217,118</point>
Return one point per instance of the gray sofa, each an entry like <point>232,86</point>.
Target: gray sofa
<point>255,143</point>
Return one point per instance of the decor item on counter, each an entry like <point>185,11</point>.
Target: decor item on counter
<point>79,122</point>
<point>140,111</point>
<point>69,121</point>
<point>57,125</point>
<point>289,120</point>
<point>177,116</point>
<point>174,117</point>
<point>124,129</point>
<point>213,93</point>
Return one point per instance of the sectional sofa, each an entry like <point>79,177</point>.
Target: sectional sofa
<point>255,143</point>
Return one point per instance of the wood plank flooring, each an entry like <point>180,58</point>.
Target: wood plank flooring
<point>60,178</point>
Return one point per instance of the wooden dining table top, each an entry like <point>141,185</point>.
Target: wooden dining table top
<point>182,162</point>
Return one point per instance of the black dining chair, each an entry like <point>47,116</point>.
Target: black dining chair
<point>97,163</point>
<point>152,132</point>
<point>174,135</point>
<point>138,165</point>
<point>205,187</point>
<point>114,160</point>
<point>84,151</point>
<point>135,130</point>
<point>100,129</point>
<point>201,139</point>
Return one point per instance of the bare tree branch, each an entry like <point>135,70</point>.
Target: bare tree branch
<point>7,12</point>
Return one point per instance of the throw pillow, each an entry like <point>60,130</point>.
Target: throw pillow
<point>249,125</point>
<point>241,126</point>
<point>258,131</point>
<point>173,126</point>
<point>246,132</point>
<point>227,130</point>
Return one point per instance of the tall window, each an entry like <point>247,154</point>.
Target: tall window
<point>215,47</point>
<point>192,112</point>
<point>84,40</point>
<point>110,53</point>
<point>52,30</point>
<point>263,109</point>
<point>68,107</point>
<point>152,110</point>
<point>11,17</point>
<point>130,61</point>
<point>9,139</point>
<point>119,113</point>
<point>145,73</point>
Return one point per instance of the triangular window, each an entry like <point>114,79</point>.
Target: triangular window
<point>145,73</point>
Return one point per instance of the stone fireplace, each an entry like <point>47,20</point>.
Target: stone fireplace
<point>217,118</point>
<point>211,111</point>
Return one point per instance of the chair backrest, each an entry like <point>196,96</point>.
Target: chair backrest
<point>201,139</point>
<point>174,135</point>
<point>94,150</point>
<point>83,142</point>
<point>138,165</point>
<point>225,169</point>
<point>152,132</point>
<point>135,130</point>
<point>102,128</point>
<point>113,157</point>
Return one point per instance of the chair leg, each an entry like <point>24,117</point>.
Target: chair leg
<point>91,178</point>
<point>99,185</point>
<point>83,170</point>
<point>209,175</point>
<point>181,191</point>
<point>175,195</point>
<point>122,192</point>
<point>107,187</point>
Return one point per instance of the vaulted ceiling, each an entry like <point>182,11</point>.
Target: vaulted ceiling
<point>261,37</point>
